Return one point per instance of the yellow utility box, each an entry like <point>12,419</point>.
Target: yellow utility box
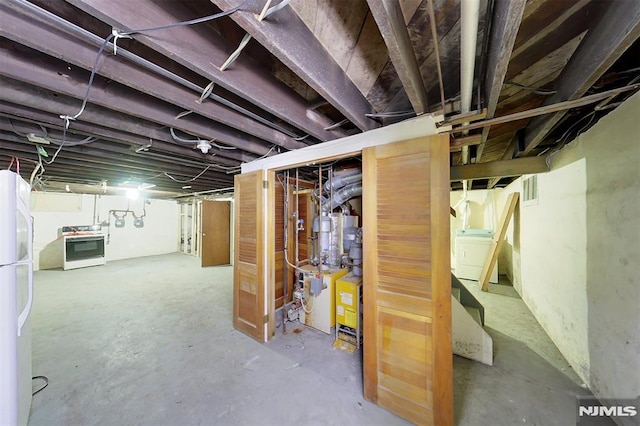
<point>348,313</point>
<point>321,309</point>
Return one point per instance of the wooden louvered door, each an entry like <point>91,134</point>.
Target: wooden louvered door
<point>407,311</point>
<point>248,278</point>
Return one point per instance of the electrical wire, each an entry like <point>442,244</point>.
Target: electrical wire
<point>46,383</point>
<point>115,35</point>
<point>198,140</point>
<point>190,180</point>
<point>186,23</point>
<point>408,113</point>
<point>536,90</point>
<point>304,308</point>
<point>336,125</point>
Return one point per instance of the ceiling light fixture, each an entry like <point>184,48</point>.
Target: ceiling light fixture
<point>204,146</point>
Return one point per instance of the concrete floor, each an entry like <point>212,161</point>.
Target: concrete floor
<point>151,341</point>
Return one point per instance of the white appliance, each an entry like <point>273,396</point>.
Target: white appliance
<point>82,246</point>
<point>16,297</point>
<point>472,249</point>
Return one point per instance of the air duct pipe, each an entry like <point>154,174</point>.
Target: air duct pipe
<point>348,177</point>
<point>470,11</point>
<point>342,195</point>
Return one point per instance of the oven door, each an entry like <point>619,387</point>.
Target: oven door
<point>85,247</point>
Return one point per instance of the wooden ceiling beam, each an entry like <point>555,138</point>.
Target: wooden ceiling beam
<point>605,42</point>
<point>24,94</point>
<point>100,156</point>
<point>65,173</point>
<point>178,152</point>
<point>493,169</point>
<point>17,113</point>
<point>287,37</point>
<point>26,29</point>
<point>202,51</point>
<point>388,16</point>
<point>73,170</point>
<point>49,73</point>
<point>507,16</point>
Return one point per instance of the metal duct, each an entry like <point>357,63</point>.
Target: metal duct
<point>348,177</point>
<point>343,195</point>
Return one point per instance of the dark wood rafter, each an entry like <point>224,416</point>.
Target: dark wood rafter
<point>185,153</point>
<point>617,29</point>
<point>99,160</point>
<point>23,94</point>
<point>54,75</point>
<point>507,15</point>
<point>24,28</point>
<point>205,53</point>
<point>547,109</point>
<point>507,155</point>
<point>100,152</point>
<point>388,16</point>
<point>516,167</point>
<point>111,170</point>
<point>287,37</point>
<point>456,144</point>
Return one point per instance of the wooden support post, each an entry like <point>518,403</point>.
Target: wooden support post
<point>498,238</point>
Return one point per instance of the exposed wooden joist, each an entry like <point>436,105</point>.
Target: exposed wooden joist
<point>54,75</point>
<point>507,155</point>
<point>516,167</point>
<point>388,16</point>
<point>24,94</point>
<point>288,38</point>
<point>176,152</point>
<point>81,163</point>
<point>617,29</point>
<point>456,144</point>
<point>547,109</point>
<point>25,29</point>
<point>204,53</point>
<point>465,117</point>
<point>104,153</point>
<point>507,15</point>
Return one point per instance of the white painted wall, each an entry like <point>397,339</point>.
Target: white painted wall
<point>574,256</point>
<point>481,213</point>
<point>159,235</point>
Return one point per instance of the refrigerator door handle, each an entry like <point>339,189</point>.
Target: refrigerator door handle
<point>22,318</point>
<point>24,211</point>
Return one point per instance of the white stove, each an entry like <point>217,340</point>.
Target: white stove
<point>82,246</point>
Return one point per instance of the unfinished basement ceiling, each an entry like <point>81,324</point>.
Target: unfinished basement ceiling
<point>312,71</point>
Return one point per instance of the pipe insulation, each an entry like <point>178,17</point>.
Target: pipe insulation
<point>343,195</point>
<point>468,40</point>
<point>337,182</point>
<point>470,12</point>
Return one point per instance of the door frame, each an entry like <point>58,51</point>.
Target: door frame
<point>420,127</point>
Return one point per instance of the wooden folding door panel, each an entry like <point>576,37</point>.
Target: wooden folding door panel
<point>407,311</point>
<point>279,219</point>
<point>248,278</point>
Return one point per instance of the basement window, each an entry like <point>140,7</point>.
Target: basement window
<point>530,190</point>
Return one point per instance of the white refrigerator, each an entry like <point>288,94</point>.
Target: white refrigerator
<point>16,298</point>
